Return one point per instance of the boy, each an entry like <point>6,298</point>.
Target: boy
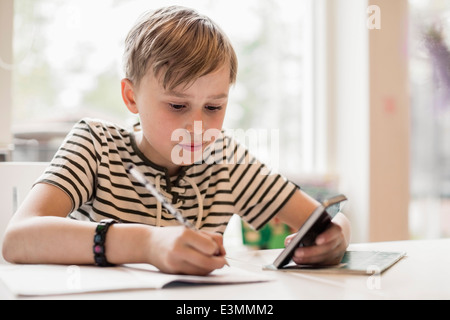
<point>179,67</point>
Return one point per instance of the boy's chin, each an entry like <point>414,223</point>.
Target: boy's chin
<point>192,159</point>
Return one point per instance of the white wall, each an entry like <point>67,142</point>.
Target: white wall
<point>368,98</point>
<point>389,123</point>
<point>348,102</point>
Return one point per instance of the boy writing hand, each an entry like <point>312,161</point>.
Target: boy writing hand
<point>179,68</point>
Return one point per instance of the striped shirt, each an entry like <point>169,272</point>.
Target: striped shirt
<point>91,168</point>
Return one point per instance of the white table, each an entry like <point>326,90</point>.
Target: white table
<point>423,274</point>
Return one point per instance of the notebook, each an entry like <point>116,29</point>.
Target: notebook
<point>353,262</point>
<point>45,280</point>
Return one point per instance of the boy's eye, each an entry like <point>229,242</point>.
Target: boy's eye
<point>177,106</point>
<point>213,108</point>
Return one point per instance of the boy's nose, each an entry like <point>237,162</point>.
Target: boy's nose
<point>194,117</point>
<point>196,127</point>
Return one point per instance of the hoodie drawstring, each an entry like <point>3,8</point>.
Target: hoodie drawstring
<point>199,200</point>
<point>180,203</point>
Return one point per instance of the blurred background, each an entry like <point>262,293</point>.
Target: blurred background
<point>356,92</point>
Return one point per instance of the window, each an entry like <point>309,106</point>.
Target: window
<point>68,65</point>
<point>430,116</point>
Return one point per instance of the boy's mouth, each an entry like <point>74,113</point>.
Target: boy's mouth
<point>192,147</point>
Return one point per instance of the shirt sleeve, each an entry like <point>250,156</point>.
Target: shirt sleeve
<point>74,166</point>
<point>259,193</point>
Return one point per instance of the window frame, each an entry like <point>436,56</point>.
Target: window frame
<point>6,68</point>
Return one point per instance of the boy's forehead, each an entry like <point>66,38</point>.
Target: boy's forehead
<point>186,95</point>
<point>150,78</point>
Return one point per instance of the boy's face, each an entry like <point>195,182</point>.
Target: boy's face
<point>173,121</point>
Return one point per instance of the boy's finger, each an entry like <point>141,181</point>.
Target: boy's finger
<point>203,243</point>
<point>218,238</point>
<point>289,239</point>
<point>330,234</point>
<point>205,264</point>
<point>188,267</point>
<point>317,250</point>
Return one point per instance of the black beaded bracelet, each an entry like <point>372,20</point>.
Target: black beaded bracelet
<point>99,243</point>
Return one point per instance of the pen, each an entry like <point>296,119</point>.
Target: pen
<point>174,212</point>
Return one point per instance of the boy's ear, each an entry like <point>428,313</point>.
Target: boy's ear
<point>128,95</point>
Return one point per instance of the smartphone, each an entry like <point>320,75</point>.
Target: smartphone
<point>317,223</point>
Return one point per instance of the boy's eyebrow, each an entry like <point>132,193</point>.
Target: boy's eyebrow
<point>184,95</point>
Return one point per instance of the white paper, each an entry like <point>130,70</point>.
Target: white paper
<point>40,280</point>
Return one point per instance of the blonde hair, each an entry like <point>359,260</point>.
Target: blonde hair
<point>180,43</point>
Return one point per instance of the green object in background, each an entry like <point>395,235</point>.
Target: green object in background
<point>271,236</point>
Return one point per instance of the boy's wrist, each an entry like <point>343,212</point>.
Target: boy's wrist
<point>146,238</point>
<point>129,243</point>
<point>99,248</point>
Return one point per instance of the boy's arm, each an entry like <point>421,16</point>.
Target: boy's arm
<point>39,232</point>
<point>330,245</point>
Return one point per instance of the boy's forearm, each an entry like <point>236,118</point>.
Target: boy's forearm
<point>57,240</point>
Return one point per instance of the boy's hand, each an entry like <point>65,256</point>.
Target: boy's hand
<point>185,251</point>
<point>329,248</point>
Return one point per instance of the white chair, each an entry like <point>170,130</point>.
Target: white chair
<point>16,180</point>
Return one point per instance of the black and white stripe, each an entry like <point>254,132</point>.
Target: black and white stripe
<point>90,167</point>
